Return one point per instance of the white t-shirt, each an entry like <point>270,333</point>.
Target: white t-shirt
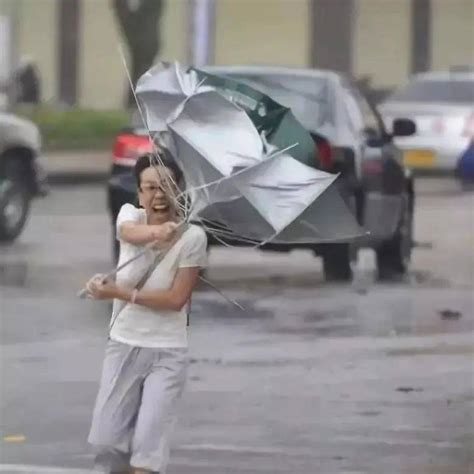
<point>138,325</point>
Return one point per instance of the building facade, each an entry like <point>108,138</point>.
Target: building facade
<point>376,39</point>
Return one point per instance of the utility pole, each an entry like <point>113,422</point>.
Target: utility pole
<point>201,32</point>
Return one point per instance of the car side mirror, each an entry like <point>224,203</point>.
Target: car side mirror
<point>403,127</point>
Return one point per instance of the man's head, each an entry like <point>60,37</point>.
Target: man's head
<point>156,191</point>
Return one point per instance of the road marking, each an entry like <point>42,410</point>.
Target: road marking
<point>14,438</point>
<point>33,469</point>
<point>288,451</point>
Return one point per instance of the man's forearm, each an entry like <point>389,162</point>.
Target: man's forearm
<point>138,234</point>
<point>154,299</point>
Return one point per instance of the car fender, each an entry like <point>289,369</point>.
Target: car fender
<point>16,132</point>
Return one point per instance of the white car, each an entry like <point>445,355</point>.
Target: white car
<point>22,175</point>
<point>442,106</point>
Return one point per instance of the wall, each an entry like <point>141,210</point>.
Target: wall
<point>262,32</point>
<point>452,33</point>
<point>382,40</point>
<point>37,39</point>
<point>247,32</point>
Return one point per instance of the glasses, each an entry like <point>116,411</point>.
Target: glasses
<point>151,188</point>
<point>154,188</point>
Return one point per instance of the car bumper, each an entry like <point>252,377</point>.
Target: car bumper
<point>445,152</point>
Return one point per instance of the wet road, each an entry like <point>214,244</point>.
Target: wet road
<point>311,378</point>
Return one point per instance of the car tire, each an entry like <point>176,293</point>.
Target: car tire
<point>337,258</point>
<point>337,262</point>
<point>393,256</point>
<point>15,200</point>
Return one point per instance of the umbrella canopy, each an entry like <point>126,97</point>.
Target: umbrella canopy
<point>163,89</point>
<point>234,177</point>
<point>278,200</point>
<point>220,131</point>
<point>276,122</point>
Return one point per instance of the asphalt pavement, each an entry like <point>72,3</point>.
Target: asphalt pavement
<point>310,378</point>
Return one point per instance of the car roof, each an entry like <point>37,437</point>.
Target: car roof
<point>445,76</point>
<point>275,70</point>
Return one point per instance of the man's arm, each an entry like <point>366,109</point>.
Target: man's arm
<point>173,299</point>
<point>140,234</point>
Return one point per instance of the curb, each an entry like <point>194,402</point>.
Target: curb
<point>76,178</point>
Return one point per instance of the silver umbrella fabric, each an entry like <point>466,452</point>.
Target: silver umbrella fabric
<point>163,89</point>
<point>229,176</point>
<point>280,200</point>
<point>210,138</point>
<point>219,130</point>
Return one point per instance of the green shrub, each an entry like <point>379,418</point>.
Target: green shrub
<point>74,128</point>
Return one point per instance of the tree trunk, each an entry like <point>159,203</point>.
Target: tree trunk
<point>139,26</point>
<point>68,50</point>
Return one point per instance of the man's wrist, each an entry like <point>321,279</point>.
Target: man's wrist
<point>124,294</point>
<point>154,234</point>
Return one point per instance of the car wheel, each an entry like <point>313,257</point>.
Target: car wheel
<point>337,262</point>
<point>14,207</point>
<point>393,256</point>
<point>337,258</point>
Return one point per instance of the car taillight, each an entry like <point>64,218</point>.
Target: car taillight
<point>128,147</point>
<point>468,130</point>
<point>324,153</point>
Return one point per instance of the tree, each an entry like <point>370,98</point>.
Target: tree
<point>138,21</point>
<point>68,50</point>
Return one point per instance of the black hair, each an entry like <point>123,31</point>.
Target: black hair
<point>166,160</point>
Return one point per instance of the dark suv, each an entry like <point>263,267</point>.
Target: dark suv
<point>349,138</point>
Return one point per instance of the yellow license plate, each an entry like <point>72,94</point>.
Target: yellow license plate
<point>422,158</point>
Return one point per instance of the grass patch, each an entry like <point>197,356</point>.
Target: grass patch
<point>74,128</point>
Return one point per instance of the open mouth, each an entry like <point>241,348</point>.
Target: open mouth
<point>160,206</point>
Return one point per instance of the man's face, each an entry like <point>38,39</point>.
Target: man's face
<point>156,195</point>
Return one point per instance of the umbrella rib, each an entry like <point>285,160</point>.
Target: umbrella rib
<point>122,55</point>
<point>229,234</point>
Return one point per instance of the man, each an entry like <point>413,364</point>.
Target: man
<point>146,357</point>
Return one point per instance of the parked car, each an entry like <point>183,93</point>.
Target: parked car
<point>349,138</point>
<point>22,176</point>
<point>442,106</point>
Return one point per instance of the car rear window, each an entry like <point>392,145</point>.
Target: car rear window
<point>307,97</point>
<point>454,91</point>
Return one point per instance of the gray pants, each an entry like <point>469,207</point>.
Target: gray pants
<point>136,406</point>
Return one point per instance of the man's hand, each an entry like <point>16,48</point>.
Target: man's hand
<point>140,234</point>
<point>99,288</point>
<point>164,232</point>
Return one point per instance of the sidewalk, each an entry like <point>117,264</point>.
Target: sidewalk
<point>77,167</point>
